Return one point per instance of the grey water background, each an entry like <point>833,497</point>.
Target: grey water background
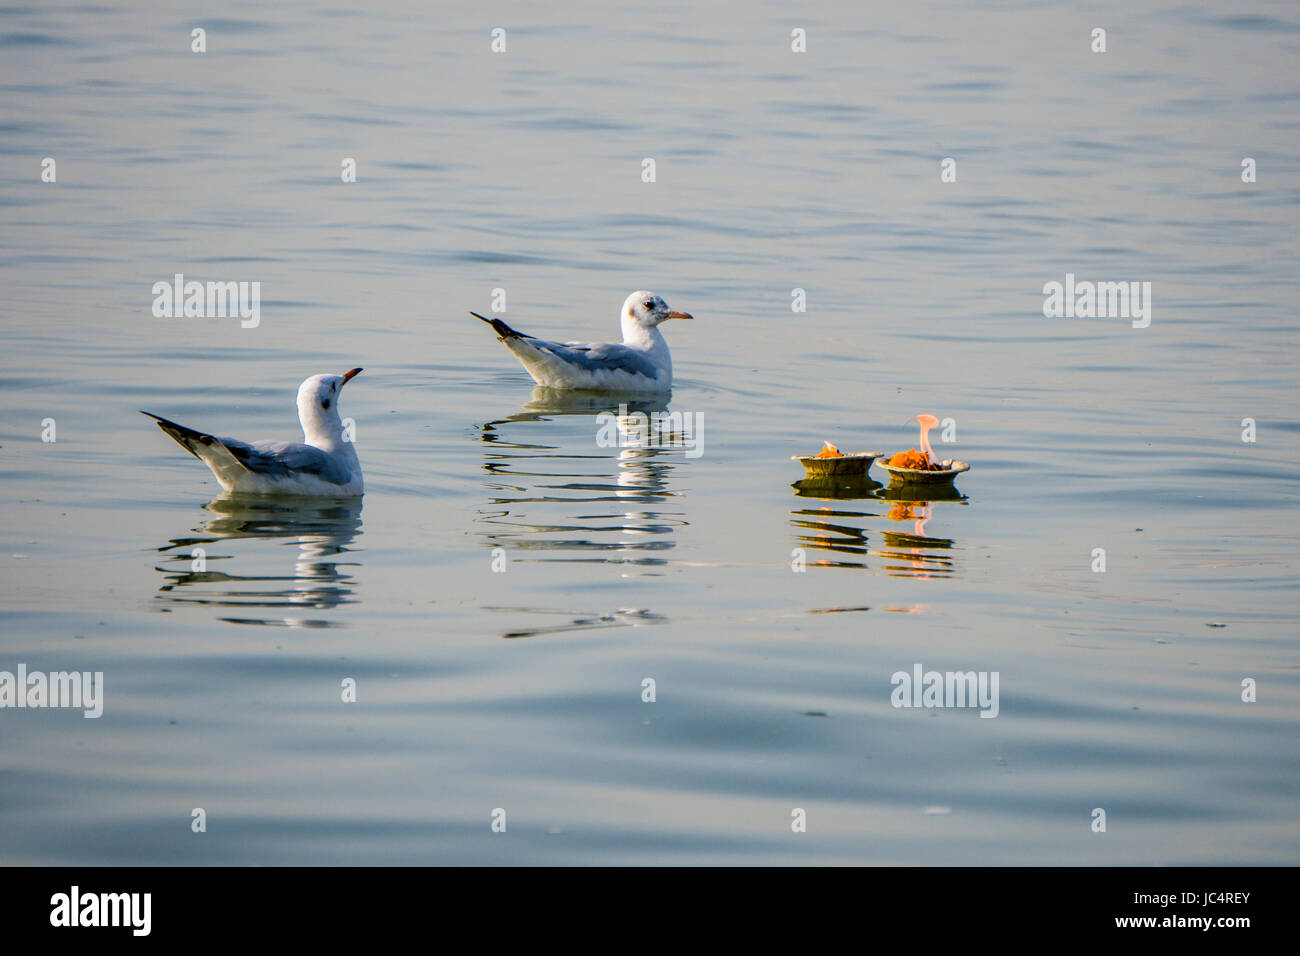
<point>522,690</point>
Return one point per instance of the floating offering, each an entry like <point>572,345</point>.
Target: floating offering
<point>921,467</point>
<point>831,461</point>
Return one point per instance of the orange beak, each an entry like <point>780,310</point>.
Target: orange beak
<point>679,315</point>
<point>348,375</point>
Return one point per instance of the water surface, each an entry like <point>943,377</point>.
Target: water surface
<point>508,582</point>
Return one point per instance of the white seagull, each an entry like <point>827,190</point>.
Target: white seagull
<point>641,363</point>
<point>324,464</point>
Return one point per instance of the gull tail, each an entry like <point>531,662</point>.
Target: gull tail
<point>207,448</point>
<point>187,438</point>
<point>546,368</point>
<point>501,329</point>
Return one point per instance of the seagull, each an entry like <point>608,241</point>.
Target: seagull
<point>641,363</point>
<point>324,465</point>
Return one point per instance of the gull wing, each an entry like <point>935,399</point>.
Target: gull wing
<point>229,457</point>
<point>603,357</point>
<point>577,364</point>
<point>282,459</point>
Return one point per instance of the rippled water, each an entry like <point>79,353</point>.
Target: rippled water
<point>509,582</point>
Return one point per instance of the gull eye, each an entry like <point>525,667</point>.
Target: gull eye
<point>649,303</point>
<point>325,404</point>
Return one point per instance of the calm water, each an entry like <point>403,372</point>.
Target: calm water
<point>522,689</point>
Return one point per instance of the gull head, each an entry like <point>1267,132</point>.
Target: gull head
<point>646,310</point>
<point>318,404</point>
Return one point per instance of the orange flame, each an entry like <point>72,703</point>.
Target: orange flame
<point>927,422</point>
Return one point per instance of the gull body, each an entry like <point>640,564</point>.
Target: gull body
<point>324,464</point>
<point>640,363</point>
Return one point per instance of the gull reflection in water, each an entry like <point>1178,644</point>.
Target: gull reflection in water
<point>559,493</point>
<point>841,530</point>
<point>201,567</point>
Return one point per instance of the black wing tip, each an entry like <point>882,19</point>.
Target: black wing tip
<point>501,329</point>
<point>179,433</point>
<point>164,423</point>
